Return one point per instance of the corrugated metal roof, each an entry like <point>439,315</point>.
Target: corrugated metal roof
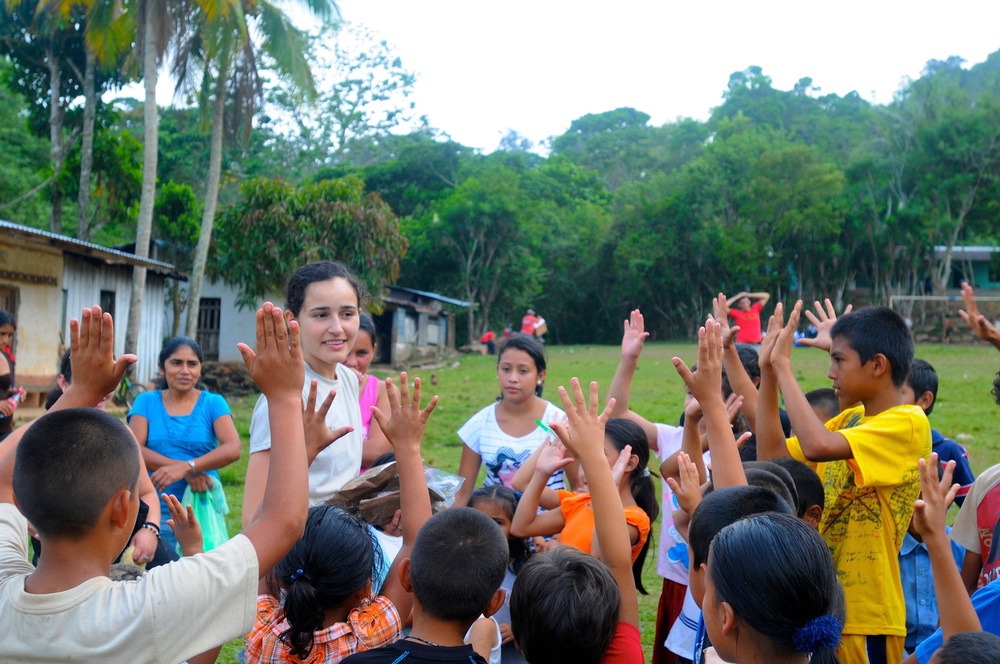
<point>82,248</point>
<point>432,296</point>
<point>968,253</point>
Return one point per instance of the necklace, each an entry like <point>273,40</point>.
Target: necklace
<point>420,640</point>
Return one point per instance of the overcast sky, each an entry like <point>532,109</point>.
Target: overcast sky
<point>534,66</point>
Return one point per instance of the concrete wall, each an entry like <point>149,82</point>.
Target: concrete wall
<point>36,273</point>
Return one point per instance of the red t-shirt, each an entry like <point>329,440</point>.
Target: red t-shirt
<point>626,646</point>
<point>749,322</point>
<point>528,324</point>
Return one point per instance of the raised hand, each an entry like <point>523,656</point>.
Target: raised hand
<point>618,470</point>
<point>585,433</point>
<point>318,435</point>
<point>706,383</point>
<point>720,313</point>
<point>95,371</point>
<point>687,488</point>
<point>930,511</point>
<point>785,339</point>
<point>823,319</point>
<point>634,335</point>
<point>186,528</point>
<point>552,458</point>
<point>976,321</point>
<point>406,422</point>
<point>276,366</point>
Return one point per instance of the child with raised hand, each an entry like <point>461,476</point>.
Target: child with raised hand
<point>866,456</point>
<point>328,610</point>
<point>567,606</point>
<point>627,455</point>
<point>84,507</point>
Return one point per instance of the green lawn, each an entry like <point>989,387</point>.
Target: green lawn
<point>965,410</point>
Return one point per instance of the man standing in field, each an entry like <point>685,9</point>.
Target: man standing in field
<point>746,314</point>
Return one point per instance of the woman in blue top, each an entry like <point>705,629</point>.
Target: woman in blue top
<point>185,433</point>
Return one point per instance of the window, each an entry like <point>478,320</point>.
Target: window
<point>209,325</point>
<point>108,302</point>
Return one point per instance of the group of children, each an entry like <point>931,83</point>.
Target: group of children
<point>792,557</point>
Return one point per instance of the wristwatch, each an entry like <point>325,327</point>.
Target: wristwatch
<point>193,469</point>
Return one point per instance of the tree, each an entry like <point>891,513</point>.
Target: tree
<point>25,157</point>
<point>277,227</point>
<point>155,20</point>
<point>363,95</point>
<point>175,223</point>
<point>40,42</point>
<point>227,59</point>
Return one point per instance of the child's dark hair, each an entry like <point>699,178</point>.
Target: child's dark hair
<point>922,379</point>
<point>797,605</point>
<point>7,318</point>
<point>825,398</point>
<point>458,562</point>
<point>874,330</point>
<point>69,465</point>
<point>366,324</point>
<point>302,278</point>
<point>722,507</point>
<point>169,348</point>
<point>750,361</point>
<point>967,647</point>
<point>332,562</point>
<point>564,608</point>
<point>66,371</point>
<point>530,345</point>
<point>622,432</point>
<point>506,499</point>
<point>772,476</point>
<point>808,485</point>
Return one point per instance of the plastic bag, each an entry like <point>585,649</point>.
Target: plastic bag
<point>210,509</point>
<point>375,493</point>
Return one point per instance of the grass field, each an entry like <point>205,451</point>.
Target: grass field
<point>965,410</point>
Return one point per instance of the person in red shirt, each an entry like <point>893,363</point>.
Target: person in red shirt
<point>746,314</point>
<point>528,322</point>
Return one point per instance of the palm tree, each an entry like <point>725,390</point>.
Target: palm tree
<point>156,22</point>
<point>222,53</point>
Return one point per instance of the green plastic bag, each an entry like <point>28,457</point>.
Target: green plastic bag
<point>210,509</point>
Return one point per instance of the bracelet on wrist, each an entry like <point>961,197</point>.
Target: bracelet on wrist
<point>149,525</point>
<point>193,469</point>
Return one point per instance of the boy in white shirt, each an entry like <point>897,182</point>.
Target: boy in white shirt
<point>74,473</point>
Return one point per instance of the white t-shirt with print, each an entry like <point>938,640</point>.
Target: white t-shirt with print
<point>503,454</point>
<point>672,555</point>
<point>340,462</point>
<point>173,612</point>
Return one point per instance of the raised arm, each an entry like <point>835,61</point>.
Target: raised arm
<point>633,340</point>
<point>706,386</point>
<point>376,444</point>
<point>738,296</point>
<point>585,440</point>
<point>739,379</point>
<point>823,319</point>
<point>404,428</point>
<point>930,519</point>
<point>770,435</point>
<point>549,499</point>
<point>97,373</point>
<point>817,442</point>
<point>976,321</point>
<point>527,522</point>
<point>278,370</point>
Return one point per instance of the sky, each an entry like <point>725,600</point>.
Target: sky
<point>535,66</point>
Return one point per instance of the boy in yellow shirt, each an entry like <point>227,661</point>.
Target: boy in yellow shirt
<point>866,456</point>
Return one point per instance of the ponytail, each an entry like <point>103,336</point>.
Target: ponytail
<point>624,432</point>
<point>332,563</point>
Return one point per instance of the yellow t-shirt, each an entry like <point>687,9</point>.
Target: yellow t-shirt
<point>869,503</point>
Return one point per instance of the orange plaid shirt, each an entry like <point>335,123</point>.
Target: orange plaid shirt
<point>371,626</point>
